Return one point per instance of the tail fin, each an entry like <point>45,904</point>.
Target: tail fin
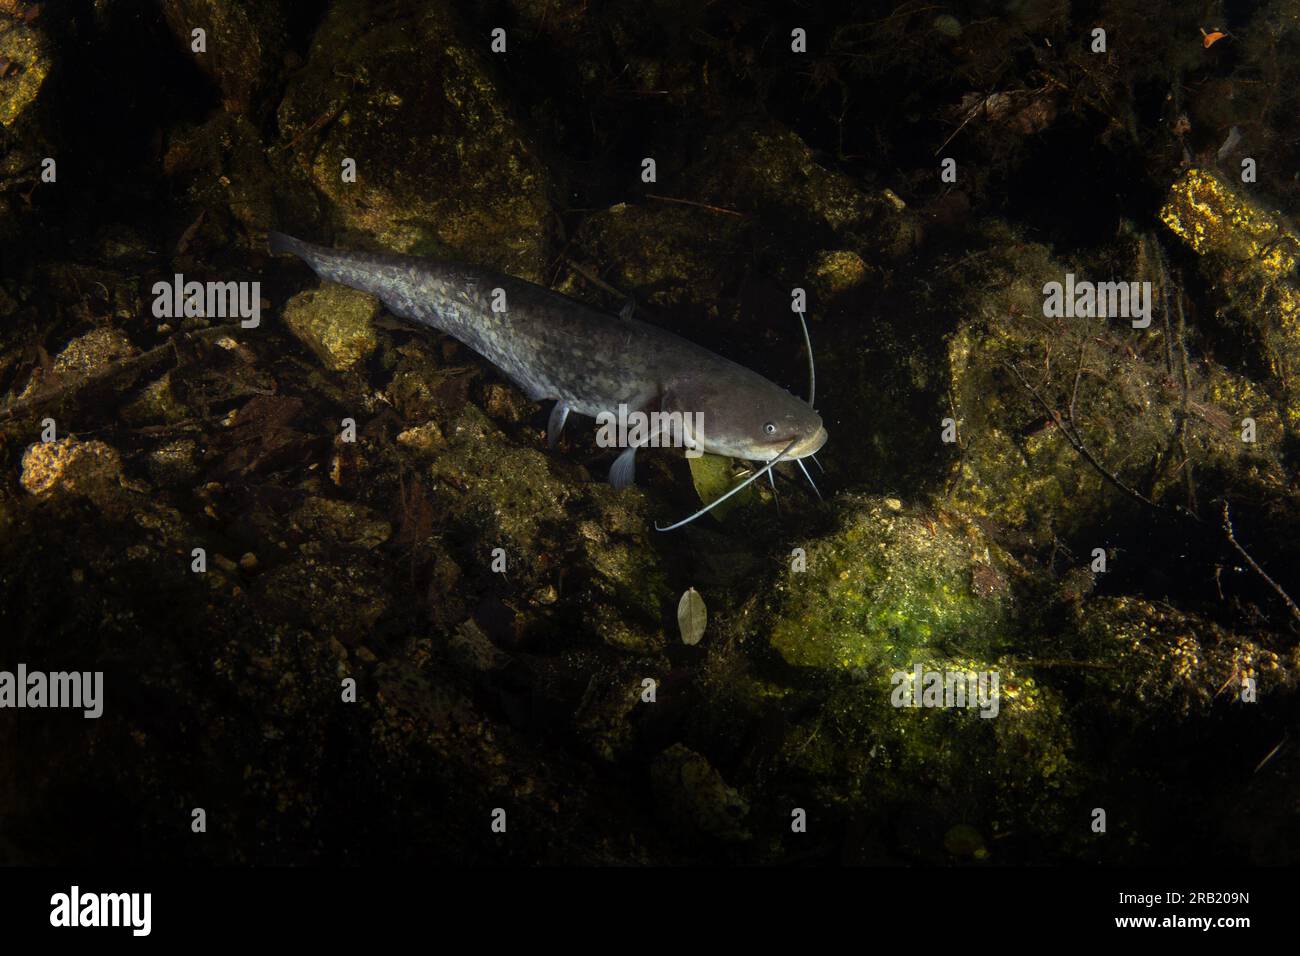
<point>278,242</point>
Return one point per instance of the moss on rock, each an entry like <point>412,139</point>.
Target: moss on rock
<point>334,321</point>
<point>245,42</point>
<point>506,495</point>
<point>887,585</point>
<point>1157,664</point>
<point>1135,399</point>
<point>24,47</point>
<point>1251,255</point>
<point>445,123</point>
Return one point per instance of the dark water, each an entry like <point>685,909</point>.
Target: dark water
<point>348,607</point>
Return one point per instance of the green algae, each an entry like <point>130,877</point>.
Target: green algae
<point>1157,664</point>
<point>887,585</point>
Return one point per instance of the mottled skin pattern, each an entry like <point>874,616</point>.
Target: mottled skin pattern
<point>555,347</point>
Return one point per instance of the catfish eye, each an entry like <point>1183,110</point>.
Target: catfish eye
<point>770,428</point>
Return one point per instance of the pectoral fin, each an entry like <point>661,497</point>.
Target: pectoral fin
<point>559,414</point>
<point>623,472</point>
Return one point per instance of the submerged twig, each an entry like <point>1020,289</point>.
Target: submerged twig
<point>123,368</point>
<point>591,277</point>
<point>698,205</point>
<point>1254,565</point>
<point>1076,442</point>
<point>1270,755</point>
<point>1052,662</point>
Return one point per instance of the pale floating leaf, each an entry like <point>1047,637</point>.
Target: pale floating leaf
<point>692,617</point>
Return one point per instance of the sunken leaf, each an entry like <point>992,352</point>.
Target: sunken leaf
<point>692,617</point>
<point>713,476</point>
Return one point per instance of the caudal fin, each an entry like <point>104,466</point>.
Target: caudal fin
<point>278,242</point>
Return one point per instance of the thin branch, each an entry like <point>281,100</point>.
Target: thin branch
<point>594,279</point>
<point>1068,430</point>
<point>698,205</point>
<point>1087,665</point>
<point>123,368</point>
<point>1232,540</point>
<point>1078,374</point>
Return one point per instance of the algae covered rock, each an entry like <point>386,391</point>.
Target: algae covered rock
<point>29,58</point>
<point>1064,423</point>
<point>670,256</point>
<point>1157,664</point>
<point>446,123</point>
<point>604,718</point>
<point>340,522</point>
<point>694,254</point>
<point>175,463</point>
<point>769,168</point>
<point>334,321</point>
<point>951,736</point>
<point>82,358</point>
<point>547,522</point>
<point>836,271</point>
<point>888,584</point>
<point>222,167</point>
<point>340,599</point>
<point>911,619</point>
<point>244,43</point>
<point>91,468</point>
<point>1251,255</point>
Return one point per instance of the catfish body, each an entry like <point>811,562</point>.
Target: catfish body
<point>556,347</point>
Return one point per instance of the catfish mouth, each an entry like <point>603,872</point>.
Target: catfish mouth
<point>802,447</point>
<point>810,445</point>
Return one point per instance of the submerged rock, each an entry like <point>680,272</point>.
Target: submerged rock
<point>340,522</point>
<point>888,585</point>
<point>669,256</point>
<point>1251,256</point>
<point>551,524</point>
<point>695,795</point>
<point>769,169</point>
<point>81,359</point>
<point>334,321</point>
<point>837,271</point>
<point>245,42</point>
<point>175,463</point>
<point>445,122</point>
<point>1136,400</point>
<point>238,191</point>
<point>338,598</point>
<point>92,468</point>
<point>909,620</point>
<point>28,59</point>
<point>1156,664</point>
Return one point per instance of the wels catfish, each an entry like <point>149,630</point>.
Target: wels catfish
<point>586,361</point>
